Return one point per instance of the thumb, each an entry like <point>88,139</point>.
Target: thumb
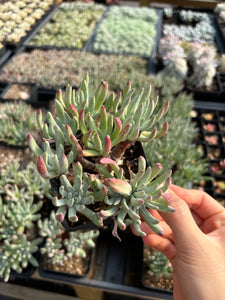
<point>184,228</point>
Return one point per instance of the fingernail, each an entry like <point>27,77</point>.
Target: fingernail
<point>168,197</point>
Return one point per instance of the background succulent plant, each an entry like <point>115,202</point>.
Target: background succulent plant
<point>203,61</point>
<point>78,19</point>
<point>202,31</point>
<point>129,31</point>
<point>19,17</point>
<point>38,66</point>
<point>17,119</point>
<point>172,149</point>
<point>173,56</point>
<point>60,246</point>
<point>20,211</point>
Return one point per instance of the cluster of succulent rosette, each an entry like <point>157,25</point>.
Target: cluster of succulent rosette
<point>59,249</point>
<point>85,144</point>
<point>19,212</point>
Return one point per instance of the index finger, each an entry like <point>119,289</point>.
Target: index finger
<point>198,201</point>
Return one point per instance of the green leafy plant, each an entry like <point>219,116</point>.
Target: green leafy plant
<point>16,253</point>
<point>86,144</point>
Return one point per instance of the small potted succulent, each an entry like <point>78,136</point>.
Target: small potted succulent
<point>89,155</point>
<point>65,255</point>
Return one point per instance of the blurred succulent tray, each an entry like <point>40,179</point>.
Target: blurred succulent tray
<point>151,56</point>
<point>210,120</point>
<point>18,91</point>
<point>48,47</point>
<point>39,23</point>
<point>175,19</point>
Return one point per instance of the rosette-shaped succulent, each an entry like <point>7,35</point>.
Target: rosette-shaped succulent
<point>88,148</point>
<point>130,201</point>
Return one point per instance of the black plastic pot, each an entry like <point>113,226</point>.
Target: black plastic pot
<point>153,280</point>
<point>44,97</point>
<point>3,86</point>
<point>31,97</point>
<point>210,119</point>
<point>204,94</point>
<point>63,276</point>
<point>117,269</point>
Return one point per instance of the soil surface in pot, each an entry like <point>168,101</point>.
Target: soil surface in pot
<point>19,92</point>
<point>214,88</point>
<point>74,265</point>
<point>153,281</point>
<point>11,154</point>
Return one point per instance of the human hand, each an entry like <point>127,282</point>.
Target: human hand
<point>194,242</point>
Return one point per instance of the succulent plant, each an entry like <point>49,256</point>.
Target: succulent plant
<point>203,61</point>
<point>77,17</point>
<point>172,149</point>
<point>17,119</point>
<point>12,179</point>
<point>85,140</point>
<point>173,56</point>
<point>19,213</point>
<point>220,10</point>
<point>15,14</point>
<point>57,248</point>
<point>159,265</point>
<point>202,31</point>
<point>16,253</point>
<point>74,64</point>
<point>129,30</point>
<point>168,12</point>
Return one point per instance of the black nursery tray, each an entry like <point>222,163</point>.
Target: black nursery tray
<point>210,120</point>
<point>220,33</point>
<point>216,93</point>
<point>117,268</point>
<point>39,97</point>
<point>220,42</point>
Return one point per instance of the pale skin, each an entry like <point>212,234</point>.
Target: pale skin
<point>194,242</point>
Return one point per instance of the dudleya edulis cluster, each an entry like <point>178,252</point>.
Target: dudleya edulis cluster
<point>85,139</point>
